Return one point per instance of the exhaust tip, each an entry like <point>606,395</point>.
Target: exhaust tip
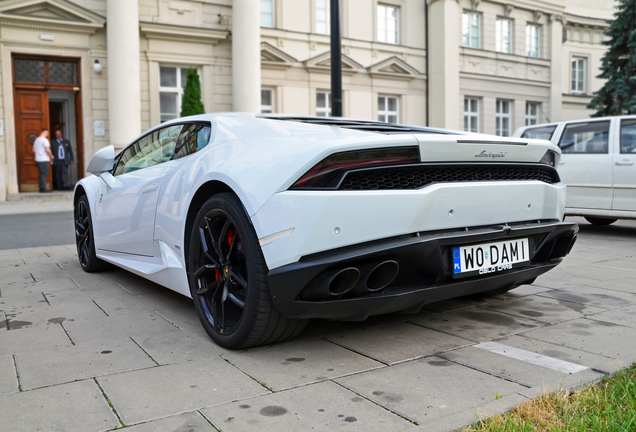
<point>344,280</point>
<point>382,275</point>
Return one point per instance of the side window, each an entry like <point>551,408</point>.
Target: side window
<point>155,148</point>
<point>628,136</point>
<point>583,138</point>
<point>192,139</point>
<point>543,132</point>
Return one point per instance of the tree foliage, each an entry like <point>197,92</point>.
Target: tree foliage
<point>618,68</point>
<point>191,104</point>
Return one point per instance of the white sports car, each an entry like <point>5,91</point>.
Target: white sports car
<point>269,221</point>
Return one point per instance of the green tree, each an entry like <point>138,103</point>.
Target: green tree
<point>191,104</point>
<point>618,68</point>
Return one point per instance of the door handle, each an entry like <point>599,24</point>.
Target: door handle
<point>624,162</point>
<point>149,188</point>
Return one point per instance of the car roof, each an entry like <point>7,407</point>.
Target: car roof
<point>583,120</point>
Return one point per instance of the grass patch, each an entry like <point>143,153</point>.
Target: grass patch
<point>607,406</point>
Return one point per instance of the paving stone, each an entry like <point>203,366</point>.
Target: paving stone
<point>179,346</point>
<point>430,390</point>
<point>625,316</point>
<point>461,303</point>
<point>320,328</point>
<point>183,315</point>
<point>398,342</point>
<point>44,368</point>
<point>296,363</point>
<point>603,338</point>
<point>592,296</point>
<point>621,284</point>
<point>36,338</point>
<point>77,406</point>
<point>523,291</point>
<point>556,280</point>
<point>163,391</point>
<point>321,406</point>
<point>476,324</point>
<point>117,327</point>
<point>595,272</point>
<point>29,287</point>
<point>36,311</point>
<point>187,422</point>
<point>121,305</point>
<point>543,309</point>
<point>8,377</point>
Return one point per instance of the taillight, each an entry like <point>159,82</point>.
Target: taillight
<point>549,158</point>
<point>328,173</point>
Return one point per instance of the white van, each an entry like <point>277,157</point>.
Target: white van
<point>598,165</point>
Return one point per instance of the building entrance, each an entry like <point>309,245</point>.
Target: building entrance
<point>46,95</point>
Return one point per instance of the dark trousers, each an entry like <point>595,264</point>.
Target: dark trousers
<point>43,170</point>
<point>61,175</point>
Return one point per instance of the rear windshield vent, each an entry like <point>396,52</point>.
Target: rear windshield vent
<point>416,177</point>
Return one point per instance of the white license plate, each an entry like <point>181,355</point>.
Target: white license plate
<point>489,258</point>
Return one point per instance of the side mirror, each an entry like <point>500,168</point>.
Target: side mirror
<point>102,161</point>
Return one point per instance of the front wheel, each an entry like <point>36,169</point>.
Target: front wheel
<point>84,239</point>
<point>228,279</point>
<point>599,221</point>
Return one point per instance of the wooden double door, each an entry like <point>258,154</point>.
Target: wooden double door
<point>31,116</point>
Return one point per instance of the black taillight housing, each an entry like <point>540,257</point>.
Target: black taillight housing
<point>549,158</point>
<point>328,173</point>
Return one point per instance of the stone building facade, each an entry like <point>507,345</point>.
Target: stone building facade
<point>105,70</point>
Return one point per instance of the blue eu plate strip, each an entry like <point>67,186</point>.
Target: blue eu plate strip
<point>457,262</point>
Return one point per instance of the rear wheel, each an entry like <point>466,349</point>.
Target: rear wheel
<point>599,221</point>
<point>84,239</point>
<point>228,279</point>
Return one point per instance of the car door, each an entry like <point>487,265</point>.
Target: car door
<point>624,167</point>
<point>125,216</point>
<point>586,164</point>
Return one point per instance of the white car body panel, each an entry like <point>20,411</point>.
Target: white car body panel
<point>598,185</point>
<point>259,159</point>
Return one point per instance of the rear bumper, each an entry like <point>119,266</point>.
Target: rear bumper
<point>425,270</point>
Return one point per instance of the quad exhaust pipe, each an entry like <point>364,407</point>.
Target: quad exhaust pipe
<point>365,279</point>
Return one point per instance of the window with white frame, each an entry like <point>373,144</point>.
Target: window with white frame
<point>322,17</point>
<point>503,35</point>
<point>532,113</point>
<point>471,30</point>
<point>578,74</point>
<point>502,118</point>
<point>267,101</point>
<point>388,24</point>
<point>471,114</point>
<point>323,104</point>
<point>388,109</point>
<point>172,81</point>
<point>533,40</point>
<point>267,13</point>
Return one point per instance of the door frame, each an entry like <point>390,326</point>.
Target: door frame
<point>85,115</point>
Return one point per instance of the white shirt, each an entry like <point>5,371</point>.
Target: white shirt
<point>39,148</point>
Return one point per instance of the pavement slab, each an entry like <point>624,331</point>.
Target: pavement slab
<point>477,324</point>
<point>461,303</point>
<point>603,338</point>
<point>622,284</point>
<point>592,296</point>
<point>187,422</point>
<point>179,346</point>
<point>31,339</point>
<point>163,391</point>
<point>45,368</point>
<point>543,309</point>
<point>298,363</point>
<point>523,291</point>
<point>437,390</point>
<point>322,406</point>
<point>625,316</point>
<point>76,406</point>
<point>398,342</point>
<point>36,310</point>
<point>8,377</point>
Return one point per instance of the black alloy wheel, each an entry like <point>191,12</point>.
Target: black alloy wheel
<point>228,278</point>
<point>84,239</point>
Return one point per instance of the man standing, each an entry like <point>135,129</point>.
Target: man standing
<point>62,157</point>
<point>43,157</point>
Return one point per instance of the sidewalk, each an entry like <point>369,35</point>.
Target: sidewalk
<point>31,203</point>
<point>94,352</point>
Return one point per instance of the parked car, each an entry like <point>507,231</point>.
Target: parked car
<point>267,222</point>
<point>597,165</point>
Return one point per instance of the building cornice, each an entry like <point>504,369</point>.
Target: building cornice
<point>57,15</point>
<point>182,33</point>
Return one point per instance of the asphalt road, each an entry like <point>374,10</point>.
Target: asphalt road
<point>33,230</point>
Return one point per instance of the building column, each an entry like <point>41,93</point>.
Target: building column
<point>443,60</point>
<point>246,55</point>
<point>556,64</point>
<point>124,75</point>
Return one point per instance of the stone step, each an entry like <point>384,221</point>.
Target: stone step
<point>36,197</point>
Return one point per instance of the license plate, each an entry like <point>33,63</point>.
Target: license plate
<point>490,258</point>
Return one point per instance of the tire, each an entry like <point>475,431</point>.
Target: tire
<point>84,240</point>
<point>599,221</point>
<point>230,289</point>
